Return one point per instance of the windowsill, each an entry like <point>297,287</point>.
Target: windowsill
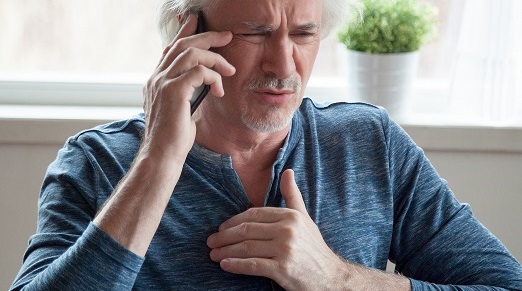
<point>66,113</point>
<point>47,111</point>
<point>21,124</point>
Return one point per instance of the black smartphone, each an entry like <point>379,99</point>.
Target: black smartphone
<point>201,91</point>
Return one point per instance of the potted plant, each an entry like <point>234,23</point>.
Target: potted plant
<point>383,38</point>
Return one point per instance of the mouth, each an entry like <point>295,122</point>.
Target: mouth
<point>272,91</point>
<point>273,96</point>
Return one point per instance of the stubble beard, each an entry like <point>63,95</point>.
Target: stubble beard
<point>272,118</point>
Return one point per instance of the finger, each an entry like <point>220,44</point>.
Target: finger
<point>252,266</point>
<point>243,232</point>
<point>193,57</point>
<point>195,77</point>
<point>244,250</point>
<point>203,41</point>
<point>255,214</point>
<point>291,193</point>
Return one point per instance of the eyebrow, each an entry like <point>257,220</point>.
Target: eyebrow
<point>268,28</point>
<point>257,27</point>
<point>308,27</point>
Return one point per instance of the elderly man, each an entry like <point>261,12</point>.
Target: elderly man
<point>260,189</point>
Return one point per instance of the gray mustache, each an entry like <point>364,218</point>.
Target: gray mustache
<point>269,82</point>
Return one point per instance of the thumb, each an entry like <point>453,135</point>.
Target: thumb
<point>291,193</point>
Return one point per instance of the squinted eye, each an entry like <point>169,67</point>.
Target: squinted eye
<point>251,37</point>
<point>304,37</point>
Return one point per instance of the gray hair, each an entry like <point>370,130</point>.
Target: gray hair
<point>334,11</point>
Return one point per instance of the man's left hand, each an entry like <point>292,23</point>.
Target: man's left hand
<point>283,244</point>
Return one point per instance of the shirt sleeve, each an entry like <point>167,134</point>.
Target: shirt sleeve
<point>437,242</point>
<point>69,252</point>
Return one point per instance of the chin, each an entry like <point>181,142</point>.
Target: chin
<point>272,119</point>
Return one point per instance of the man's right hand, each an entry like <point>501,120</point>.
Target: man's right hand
<point>186,64</point>
<point>132,214</point>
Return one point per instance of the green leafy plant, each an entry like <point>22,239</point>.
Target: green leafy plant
<point>389,26</point>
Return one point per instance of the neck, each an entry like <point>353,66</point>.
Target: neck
<point>247,148</point>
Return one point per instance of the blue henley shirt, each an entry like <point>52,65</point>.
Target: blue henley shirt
<point>371,191</point>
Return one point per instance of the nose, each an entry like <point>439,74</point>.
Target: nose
<point>278,60</point>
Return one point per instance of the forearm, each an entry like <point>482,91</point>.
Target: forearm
<point>362,278</point>
<point>425,286</point>
<point>93,262</point>
<point>132,214</point>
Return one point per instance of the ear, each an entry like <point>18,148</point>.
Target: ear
<point>182,18</point>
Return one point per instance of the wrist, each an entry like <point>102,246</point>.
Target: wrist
<point>363,278</point>
<point>163,153</point>
<point>346,275</point>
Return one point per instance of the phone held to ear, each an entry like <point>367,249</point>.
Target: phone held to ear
<point>201,91</point>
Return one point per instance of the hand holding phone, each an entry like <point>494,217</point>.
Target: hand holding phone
<point>201,91</point>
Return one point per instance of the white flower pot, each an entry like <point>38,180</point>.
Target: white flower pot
<point>383,79</point>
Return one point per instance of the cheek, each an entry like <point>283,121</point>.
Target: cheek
<point>245,61</point>
<point>240,54</point>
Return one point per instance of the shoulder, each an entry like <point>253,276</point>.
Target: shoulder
<point>342,111</point>
<point>343,116</point>
<point>94,160</point>
<point>120,130</point>
<point>120,138</point>
<point>114,143</point>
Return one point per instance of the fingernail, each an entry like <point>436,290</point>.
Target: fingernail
<point>210,241</point>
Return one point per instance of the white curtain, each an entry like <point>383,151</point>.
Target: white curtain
<point>486,78</point>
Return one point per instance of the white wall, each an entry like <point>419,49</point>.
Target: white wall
<point>482,165</point>
<point>21,170</point>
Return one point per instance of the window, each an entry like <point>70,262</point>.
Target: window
<point>97,52</point>
<point>76,37</point>
<point>476,61</point>
<point>102,51</point>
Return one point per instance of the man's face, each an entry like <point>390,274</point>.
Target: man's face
<point>273,49</point>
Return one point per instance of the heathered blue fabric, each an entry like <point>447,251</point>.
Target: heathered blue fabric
<point>369,188</point>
